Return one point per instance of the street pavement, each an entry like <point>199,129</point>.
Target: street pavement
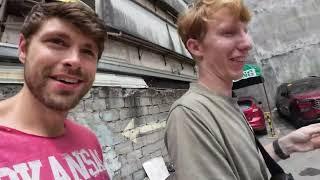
<point>303,166</point>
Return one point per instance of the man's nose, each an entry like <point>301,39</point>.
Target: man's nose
<point>246,42</point>
<point>72,59</point>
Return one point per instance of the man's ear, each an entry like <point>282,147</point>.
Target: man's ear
<point>22,51</point>
<point>195,48</point>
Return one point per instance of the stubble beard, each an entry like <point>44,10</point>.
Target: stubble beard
<point>62,101</point>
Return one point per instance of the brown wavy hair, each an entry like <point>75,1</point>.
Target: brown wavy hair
<point>76,13</point>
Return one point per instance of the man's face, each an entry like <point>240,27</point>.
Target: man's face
<point>60,64</point>
<point>224,48</point>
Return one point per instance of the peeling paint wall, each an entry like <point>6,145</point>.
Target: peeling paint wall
<point>286,36</point>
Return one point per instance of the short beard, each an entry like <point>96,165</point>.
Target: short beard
<point>47,99</point>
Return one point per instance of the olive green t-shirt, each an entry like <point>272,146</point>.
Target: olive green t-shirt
<point>207,137</point>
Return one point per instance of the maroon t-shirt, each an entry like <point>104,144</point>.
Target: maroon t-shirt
<point>74,155</point>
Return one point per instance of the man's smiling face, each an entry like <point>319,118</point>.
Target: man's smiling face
<point>60,64</point>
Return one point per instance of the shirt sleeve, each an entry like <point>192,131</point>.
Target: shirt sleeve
<point>193,148</point>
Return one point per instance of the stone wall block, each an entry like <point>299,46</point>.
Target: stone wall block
<point>128,169</point>
<point>143,101</point>
<point>99,105</point>
<point>110,115</point>
<point>140,121</point>
<point>139,175</point>
<point>164,107</point>
<point>169,99</point>
<point>117,102</point>
<point>150,148</point>
<point>86,118</point>
<point>118,126</point>
<point>117,176</point>
<point>180,92</point>
<point>128,177</point>
<point>117,138</point>
<point>123,148</point>
<point>153,109</point>
<point>151,92</point>
<point>154,137</point>
<point>140,142</point>
<point>142,111</point>
<point>127,113</point>
<point>115,92</point>
<point>149,119</point>
<point>91,105</point>
<point>129,101</point>
<point>155,154</point>
<point>134,155</point>
<point>103,92</point>
<point>9,90</point>
<point>157,100</point>
<point>162,116</point>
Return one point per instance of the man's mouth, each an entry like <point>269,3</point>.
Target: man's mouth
<point>67,80</point>
<point>239,59</point>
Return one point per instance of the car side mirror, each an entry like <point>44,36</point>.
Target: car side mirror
<point>259,102</point>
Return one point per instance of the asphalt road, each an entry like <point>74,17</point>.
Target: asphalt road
<point>303,166</point>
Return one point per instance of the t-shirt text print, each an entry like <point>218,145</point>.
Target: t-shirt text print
<point>82,164</point>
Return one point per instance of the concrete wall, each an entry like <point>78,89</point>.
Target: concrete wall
<point>286,36</point>
<point>129,124</point>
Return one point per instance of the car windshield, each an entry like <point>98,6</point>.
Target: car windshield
<point>245,104</point>
<point>305,87</point>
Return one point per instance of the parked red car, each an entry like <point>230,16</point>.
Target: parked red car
<point>253,113</point>
<point>299,101</point>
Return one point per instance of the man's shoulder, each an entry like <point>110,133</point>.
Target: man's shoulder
<point>76,128</point>
<point>195,100</point>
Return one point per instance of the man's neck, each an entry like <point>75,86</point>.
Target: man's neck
<point>215,83</point>
<point>25,113</point>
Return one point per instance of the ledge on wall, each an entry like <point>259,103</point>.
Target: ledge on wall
<point>107,65</point>
<point>14,75</point>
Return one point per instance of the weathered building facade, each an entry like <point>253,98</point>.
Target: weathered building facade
<point>145,67</point>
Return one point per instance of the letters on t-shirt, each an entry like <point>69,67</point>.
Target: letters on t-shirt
<point>82,164</point>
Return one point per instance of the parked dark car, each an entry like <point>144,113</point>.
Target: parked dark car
<point>254,114</point>
<point>299,101</point>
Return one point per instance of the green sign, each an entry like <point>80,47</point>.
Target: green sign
<point>251,70</point>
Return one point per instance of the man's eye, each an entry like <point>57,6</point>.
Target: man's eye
<point>89,52</point>
<point>57,42</point>
<point>228,33</point>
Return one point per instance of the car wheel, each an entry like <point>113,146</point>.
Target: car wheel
<point>261,132</point>
<point>264,132</point>
<point>295,119</point>
<point>297,122</point>
<point>280,113</point>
